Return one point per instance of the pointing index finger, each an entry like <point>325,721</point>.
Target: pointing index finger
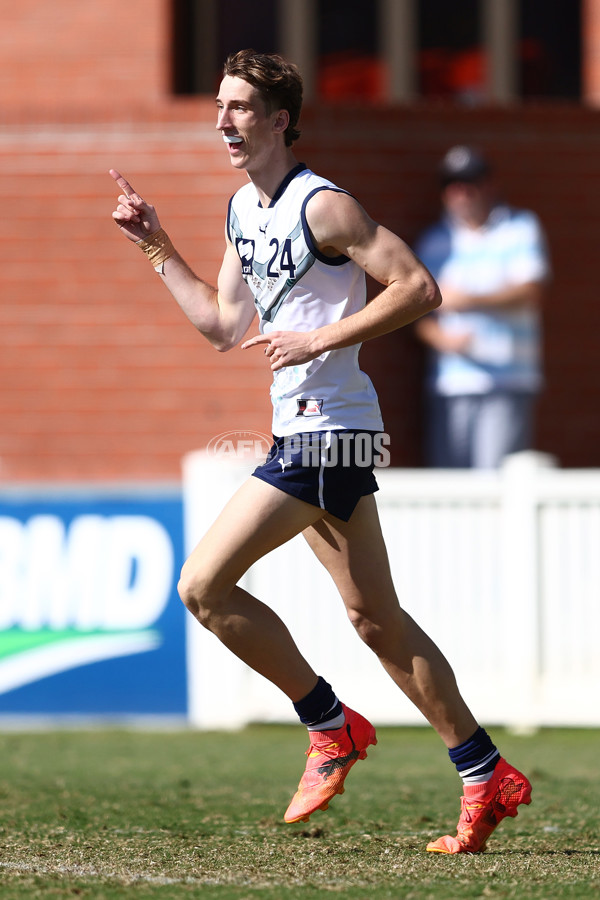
<point>258,339</point>
<point>123,183</point>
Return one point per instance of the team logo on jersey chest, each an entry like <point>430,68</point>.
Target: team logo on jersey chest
<point>245,248</point>
<point>309,407</point>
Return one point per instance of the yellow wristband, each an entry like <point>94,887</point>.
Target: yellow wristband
<point>157,247</point>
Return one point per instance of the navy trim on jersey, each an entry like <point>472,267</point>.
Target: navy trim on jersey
<point>289,177</point>
<point>328,260</point>
<point>228,221</point>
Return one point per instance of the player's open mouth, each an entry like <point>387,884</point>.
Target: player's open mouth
<point>232,139</point>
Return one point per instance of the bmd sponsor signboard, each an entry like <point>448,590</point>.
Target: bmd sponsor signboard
<point>90,620</point>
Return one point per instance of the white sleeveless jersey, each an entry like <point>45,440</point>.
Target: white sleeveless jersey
<point>297,288</point>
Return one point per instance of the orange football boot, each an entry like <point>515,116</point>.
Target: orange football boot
<point>331,755</point>
<point>483,806</point>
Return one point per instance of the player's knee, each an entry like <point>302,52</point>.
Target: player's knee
<point>194,591</point>
<point>204,590</point>
<point>366,629</point>
<point>376,631</point>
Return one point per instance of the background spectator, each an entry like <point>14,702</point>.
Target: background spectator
<point>491,264</point>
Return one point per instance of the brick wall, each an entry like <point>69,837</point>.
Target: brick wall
<point>71,59</point>
<point>590,15</point>
<point>101,376</point>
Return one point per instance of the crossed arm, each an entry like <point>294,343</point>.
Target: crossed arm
<point>339,225</point>
<point>512,297</point>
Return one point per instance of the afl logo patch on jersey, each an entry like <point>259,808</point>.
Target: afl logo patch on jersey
<point>309,407</point>
<point>245,249</point>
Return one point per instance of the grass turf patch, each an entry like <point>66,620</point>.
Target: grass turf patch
<point>124,814</point>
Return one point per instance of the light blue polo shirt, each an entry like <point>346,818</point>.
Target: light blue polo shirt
<point>504,352</point>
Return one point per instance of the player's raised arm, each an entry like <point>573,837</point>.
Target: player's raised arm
<point>221,314</point>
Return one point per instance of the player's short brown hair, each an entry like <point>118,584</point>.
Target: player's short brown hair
<point>279,83</point>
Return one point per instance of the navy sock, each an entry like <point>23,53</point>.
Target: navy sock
<point>475,759</point>
<point>320,707</point>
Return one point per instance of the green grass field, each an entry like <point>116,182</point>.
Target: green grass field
<point>126,814</point>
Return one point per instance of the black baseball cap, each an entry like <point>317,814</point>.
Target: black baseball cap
<point>463,163</point>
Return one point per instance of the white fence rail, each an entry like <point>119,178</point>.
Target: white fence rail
<point>502,569</point>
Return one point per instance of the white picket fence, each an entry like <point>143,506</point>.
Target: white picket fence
<point>502,569</point>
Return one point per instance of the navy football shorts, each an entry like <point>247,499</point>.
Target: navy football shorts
<point>328,469</point>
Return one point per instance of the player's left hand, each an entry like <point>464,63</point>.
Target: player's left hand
<point>286,348</point>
